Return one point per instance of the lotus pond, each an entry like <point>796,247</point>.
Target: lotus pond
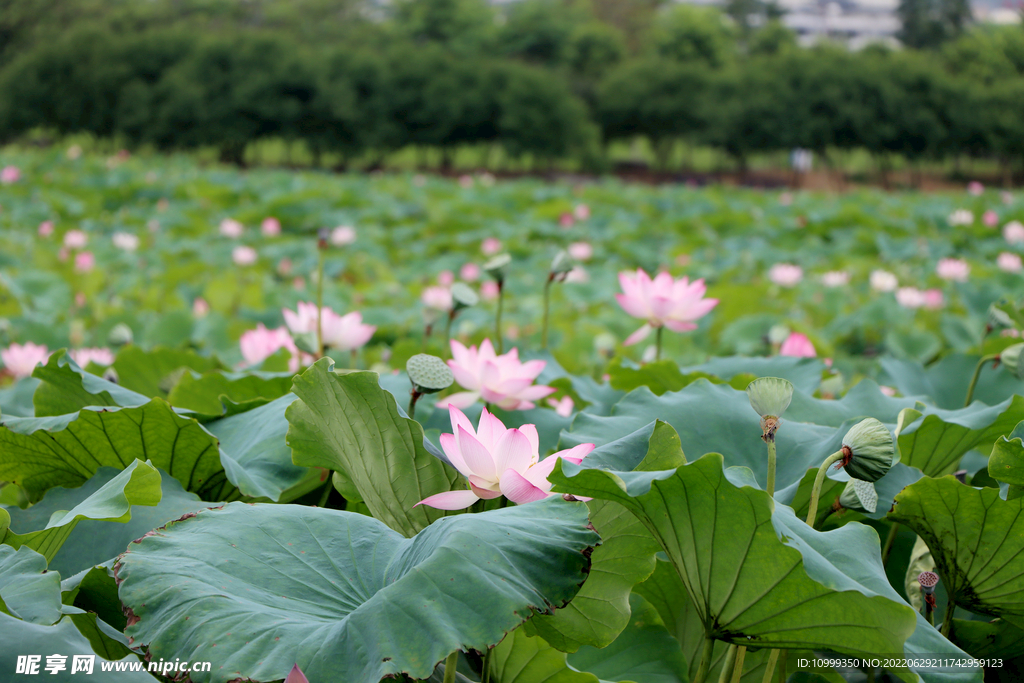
<point>351,428</point>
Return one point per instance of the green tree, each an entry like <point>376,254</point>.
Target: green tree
<point>695,34</point>
<point>927,24</point>
<point>465,26</point>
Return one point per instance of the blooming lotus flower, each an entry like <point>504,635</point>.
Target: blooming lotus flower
<point>490,246</point>
<point>84,261</point>
<point>910,297</point>
<point>1013,232</point>
<point>566,220</point>
<point>125,241</point>
<point>100,356</point>
<point>346,332</point>
<point>446,278</point>
<point>498,462</point>
<point>259,344</point>
<point>270,227</point>
<point>975,188</point>
<point>437,298</point>
<point>470,272</point>
<point>46,228</point>
<point>990,218</point>
<point>953,269</point>
<point>961,217</point>
<point>933,299</point>
<point>883,281</point>
<point>231,228</point>
<point>835,278</point>
<point>785,274</point>
<point>343,235</point>
<point>662,301</point>
<point>75,239</point>
<point>563,407</point>
<point>797,345</point>
<point>581,251</point>
<point>21,359</point>
<point>243,256</point>
<point>489,290</point>
<point>10,174</point>
<point>502,380</point>
<point>1011,263</point>
<point>200,307</point>
<point>303,319</point>
<point>581,212</point>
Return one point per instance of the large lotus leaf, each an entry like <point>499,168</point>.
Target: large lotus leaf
<point>522,658</point>
<point>29,591</point>
<point>341,594</point>
<point>23,639</point>
<point>65,388</point>
<point>663,375</point>
<point>625,557</point>
<point>66,450</point>
<point>798,496</point>
<point>989,639</point>
<point>93,542</point>
<point>349,424</point>
<point>16,399</point>
<point>864,399</point>
<point>804,373</point>
<point>945,381</point>
<point>155,372</point>
<point>933,440</point>
<point>976,540</point>
<point>219,393</point>
<point>713,418</point>
<point>1007,460</point>
<point>137,484</point>
<point>748,586</point>
<point>95,590</point>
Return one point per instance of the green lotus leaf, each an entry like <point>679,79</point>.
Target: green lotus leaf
<point>662,376</point>
<point>348,423</point>
<point>154,372</point>
<point>65,388</point>
<point>16,399</point>
<point>522,658</point>
<point>29,591</point>
<point>217,393</point>
<point>945,382</point>
<point>989,639</point>
<point>804,373</point>
<point>1006,463</point>
<point>976,540</point>
<point>341,594</point>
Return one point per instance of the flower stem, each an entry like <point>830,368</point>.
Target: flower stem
<point>812,510</point>
<point>705,660</point>
<point>769,668</point>
<point>485,671</point>
<point>929,612</point>
<point>725,675</point>
<point>547,311</point>
<point>657,342</point>
<point>975,376</point>
<point>497,320</point>
<point>448,332</point>
<point>449,667</point>
<point>947,619</point>
<point>737,668</point>
<point>770,486</point>
<point>413,397</point>
<point>889,540</point>
<point>327,493</point>
<point>321,250</point>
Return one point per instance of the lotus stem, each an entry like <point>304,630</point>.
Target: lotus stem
<point>449,667</point>
<point>947,619</point>
<point>770,485</point>
<point>497,320</point>
<point>355,358</point>
<point>448,332</point>
<point>782,666</point>
<point>547,310</point>
<point>705,660</point>
<point>485,672</point>
<point>737,668</point>
<point>327,493</point>
<point>321,250</point>
<point>769,668</point>
<point>929,611</point>
<point>725,675</point>
<point>976,375</point>
<point>889,540</point>
<point>812,510</point>
<point>657,342</point>
<point>413,397</point>
<point>426,335</point>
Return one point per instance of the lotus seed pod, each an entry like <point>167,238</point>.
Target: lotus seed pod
<point>928,581</point>
<point>428,374</point>
<point>497,267</point>
<point>778,334</point>
<point>1011,360</point>
<point>463,296</point>
<point>770,396</point>
<point>998,318</point>
<point>561,265</point>
<point>120,335</point>
<point>868,450</point>
<point>859,496</point>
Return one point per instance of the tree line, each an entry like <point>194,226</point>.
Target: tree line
<point>550,80</point>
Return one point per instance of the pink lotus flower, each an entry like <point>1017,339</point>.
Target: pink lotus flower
<point>10,174</point>
<point>284,267</point>
<point>303,319</point>
<point>296,675</point>
<point>100,356</point>
<point>259,344</point>
<point>581,251</point>
<point>75,239</point>
<point>466,181</point>
<point>577,275</point>
<point>489,290</point>
<point>566,220</point>
<point>887,391</point>
<point>437,298</point>
<point>835,278</point>
<point>1013,232</point>
<point>446,278</point>
<point>581,212</point>
<point>200,307</point>
<point>883,281</point>
<point>1011,263</point>
<point>80,299</point>
<point>84,261</point>
<point>502,380</point>
<point>343,235</point>
<point>231,228</point>
<point>563,407</point>
<point>786,274</point>
<point>933,299</point>
<point>490,246</point>
<point>961,217</point>
<point>21,359</point>
<point>342,332</point>
<point>953,269</point>
<point>470,272</point>
<point>46,228</point>
<point>910,297</point>
<point>498,462</point>
<point>125,241</point>
<point>990,218</point>
<point>975,188</point>
<point>797,345</point>
<point>270,227</point>
<point>662,301</point>
<point>243,256</point>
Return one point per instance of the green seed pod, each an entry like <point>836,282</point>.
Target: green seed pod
<point>120,335</point>
<point>998,317</point>
<point>770,396</point>
<point>463,296</point>
<point>868,450</point>
<point>561,265</point>
<point>859,496</point>
<point>1011,360</point>
<point>778,334</point>
<point>428,374</point>
<point>497,267</point>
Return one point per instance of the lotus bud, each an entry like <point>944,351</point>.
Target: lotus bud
<point>1011,360</point>
<point>769,397</point>
<point>120,335</point>
<point>560,266</point>
<point>497,267</point>
<point>859,496</point>
<point>428,374</point>
<point>110,374</point>
<point>296,676</point>
<point>868,450</point>
<point>463,296</point>
<point>778,334</point>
